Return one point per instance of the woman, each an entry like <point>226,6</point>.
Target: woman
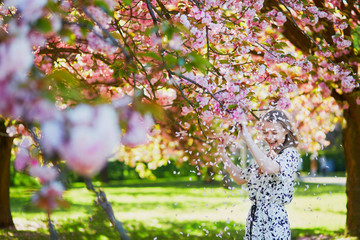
<point>270,177</point>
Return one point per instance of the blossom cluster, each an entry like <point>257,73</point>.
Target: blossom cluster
<point>225,59</point>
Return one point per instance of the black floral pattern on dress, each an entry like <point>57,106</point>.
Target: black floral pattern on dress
<point>270,193</point>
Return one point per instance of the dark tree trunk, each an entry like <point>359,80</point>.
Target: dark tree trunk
<point>104,174</point>
<point>351,142</point>
<point>5,155</point>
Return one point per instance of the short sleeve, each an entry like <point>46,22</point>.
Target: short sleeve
<point>246,173</point>
<point>288,161</point>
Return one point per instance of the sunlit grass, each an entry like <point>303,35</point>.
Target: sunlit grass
<point>182,210</point>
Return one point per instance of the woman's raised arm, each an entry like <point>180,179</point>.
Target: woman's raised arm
<point>231,168</point>
<point>265,163</point>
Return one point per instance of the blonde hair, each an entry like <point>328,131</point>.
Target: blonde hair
<point>278,116</point>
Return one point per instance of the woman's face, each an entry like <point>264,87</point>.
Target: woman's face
<point>274,134</point>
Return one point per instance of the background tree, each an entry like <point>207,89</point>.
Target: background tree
<point>5,149</point>
<point>102,68</point>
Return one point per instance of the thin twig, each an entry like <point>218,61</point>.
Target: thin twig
<point>149,6</point>
<point>262,46</point>
<point>191,104</point>
<point>204,89</point>
<point>107,33</point>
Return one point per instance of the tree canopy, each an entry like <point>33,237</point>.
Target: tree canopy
<point>81,78</point>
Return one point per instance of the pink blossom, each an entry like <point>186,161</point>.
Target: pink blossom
<point>11,130</point>
<point>54,189</point>
<point>313,9</point>
<point>283,103</point>
<point>261,69</point>
<point>21,161</point>
<point>322,14</point>
<point>185,110</point>
<point>207,116</point>
<point>297,5</point>
<point>325,89</point>
<point>122,102</point>
<point>272,13</point>
<point>55,22</point>
<point>49,196</point>
<point>263,25</point>
<point>232,87</point>
<point>45,174</point>
<point>258,5</point>
<point>320,136</point>
<point>335,3</point>
<point>184,20</point>
<point>280,18</point>
<point>197,13</point>
<point>176,42</point>
<point>206,19</point>
<point>11,63</point>
<point>272,88</point>
<point>327,53</point>
<point>358,100</point>
<point>305,65</point>
<point>202,100</point>
<point>165,96</point>
<point>93,135</point>
<point>138,129</point>
<point>52,136</point>
<point>238,115</point>
<point>99,44</point>
<point>348,83</point>
<point>65,4</point>
<point>341,42</point>
<point>101,17</point>
<point>250,13</point>
<point>343,25</point>
<point>31,9</point>
<point>41,110</point>
<point>318,28</point>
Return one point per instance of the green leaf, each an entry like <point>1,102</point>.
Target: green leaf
<point>280,45</point>
<point>199,62</point>
<point>152,55</point>
<point>44,25</point>
<point>311,57</point>
<point>283,74</point>
<point>155,109</point>
<point>127,2</point>
<point>103,6</point>
<point>65,85</point>
<point>171,61</point>
<point>232,106</point>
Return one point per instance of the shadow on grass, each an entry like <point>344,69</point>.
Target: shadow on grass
<point>315,234</point>
<point>163,183</point>
<point>98,228</point>
<point>309,189</point>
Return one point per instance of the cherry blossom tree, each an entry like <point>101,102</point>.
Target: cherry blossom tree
<point>95,74</point>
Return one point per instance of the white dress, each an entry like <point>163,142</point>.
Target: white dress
<point>269,193</point>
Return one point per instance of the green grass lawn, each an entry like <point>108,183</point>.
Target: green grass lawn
<point>176,210</point>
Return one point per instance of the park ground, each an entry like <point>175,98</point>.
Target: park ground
<point>179,209</point>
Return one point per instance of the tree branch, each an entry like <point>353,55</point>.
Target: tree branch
<point>106,206</point>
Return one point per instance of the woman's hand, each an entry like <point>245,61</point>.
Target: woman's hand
<point>243,131</point>
<point>223,140</point>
